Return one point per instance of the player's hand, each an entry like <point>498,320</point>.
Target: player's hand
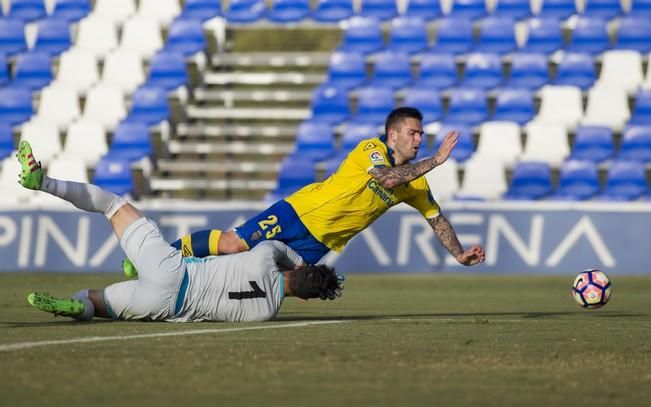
<point>472,256</point>
<point>446,147</point>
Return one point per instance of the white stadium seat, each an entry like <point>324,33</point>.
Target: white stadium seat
<point>78,70</point>
<point>546,142</point>
<point>123,69</point>
<point>142,36</point>
<point>45,136</point>
<point>59,105</point>
<point>560,105</point>
<point>12,192</point>
<point>607,106</point>
<point>444,180</point>
<point>621,69</point>
<point>105,105</point>
<point>64,168</point>
<point>483,178</point>
<point>97,36</point>
<point>86,140</point>
<point>116,11</point>
<point>163,11</point>
<point>500,141</point>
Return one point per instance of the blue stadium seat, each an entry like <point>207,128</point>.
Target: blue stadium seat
<point>53,36</point>
<point>245,11</point>
<point>12,36</point>
<point>71,10</point>
<point>427,100</point>
<point>201,9</point>
<point>287,11</point>
<point>4,70</point>
<point>544,36</point>
<point>381,9</point>
<point>352,135</point>
<point>346,70</point>
<point>515,9</point>
<point>642,110</point>
<point>131,142</point>
<point>606,9</point>
<point>392,70</point>
<point>185,37</point>
<point>496,35</point>
<point>579,181</point>
<point>531,180</point>
<point>168,71</point>
<point>514,105</point>
<point>114,175</point>
<point>560,9</point>
<point>294,174</point>
<point>15,105</point>
<point>408,35</point>
<point>528,71</point>
<point>576,70</point>
<point>636,144</point>
<point>330,104</point>
<point>33,71</point>
<point>149,106</point>
<point>467,106</point>
<point>437,71</point>
<point>425,9</point>
<point>634,33</point>
<point>314,141</point>
<point>468,9</point>
<point>373,105</point>
<point>641,8</point>
<point>625,181</point>
<point>593,143</point>
<point>465,147</point>
<point>362,35</point>
<point>6,140</point>
<point>329,11</point>
<point>27,10</point>
<point>589,36</point>
<point>483,71</point>
<point>453,36</point>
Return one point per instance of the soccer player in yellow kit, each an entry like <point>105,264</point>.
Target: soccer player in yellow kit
<point>324,216</point>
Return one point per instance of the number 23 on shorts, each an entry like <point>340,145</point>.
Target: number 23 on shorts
<point>271,221</point>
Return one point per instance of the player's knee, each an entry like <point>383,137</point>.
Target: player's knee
<point>230,242</point>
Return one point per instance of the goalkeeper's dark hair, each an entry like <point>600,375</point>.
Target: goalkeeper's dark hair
<point>313,282</point>
<point>395,118</point>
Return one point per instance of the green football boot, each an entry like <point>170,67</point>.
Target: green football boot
<point>31,174</point>
<point>65,307</point>
<point>129,269</point>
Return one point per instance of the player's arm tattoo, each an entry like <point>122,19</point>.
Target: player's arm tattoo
<point>391,177</point>
<point>446,234</point>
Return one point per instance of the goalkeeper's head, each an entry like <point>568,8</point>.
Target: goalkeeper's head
<point>318,281</point>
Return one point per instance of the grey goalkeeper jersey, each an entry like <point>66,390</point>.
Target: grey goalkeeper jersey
<point>239,287</point>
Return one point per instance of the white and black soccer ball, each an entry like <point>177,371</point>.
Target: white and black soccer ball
<point>592,288</point>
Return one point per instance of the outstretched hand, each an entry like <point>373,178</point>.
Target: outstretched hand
<point>446,147</point>
<point>472,256</point>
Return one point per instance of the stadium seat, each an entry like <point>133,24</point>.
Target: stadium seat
<point>641,8</point>
<point>12,192</point>
<point>515,9</point>
<point>483,71</point>
<point>185,37</point>
<point>12,36</point>
<point>607,106</point>
<point>201,9</point>
<point>634,33</point>
<point>27,10</point>
<point>467,106</point>
<point>96,36</point>
<point>131,141</point>
<point>245,11</point>
<point>142,36</point>
<point>381,9</point>
<point>496,35</point>
<point>163,11</point>
<point>59,105</point>
<point>123,69</point>
<point>453,36</point>
<point>560,105</point>
<point>114,175</point>
<point>353,134</point>
<point>544,36</point>
<point>426,100</point>
<point>15,105</point>
<point>4,70</point>
<point>53,37</point>
<point>468,9</point>
<point>373,105</point>
<point>589,36</point>
<point>65,168</point>
<point>167,70</point>
<point>329,11</point>
<point>528,71</point>
<point>33,71</point>
<point>499,141</point>
<point>149,106</point>
<point>6,140</point>
<point>71,10</point>
<point>621,69</point>
<point>483,179</point>
<point>560,9</point>
<point>116,11</point>
<point>546,142</point>
<point>425,9</point>
<point>437,71</point>
<point>625,181</point>
<point>642,110</point>
<point>330,104</point>
<point>293,175</point>
<point>515,105</point>
<point>43,135</point>
<point>105,105</point>
<point>576,69</point>
<point>346,70</point>
<point>605,9</point>
<point>86,140</point>
<point>444,181</point>
<point>78,70</point>
<point>362,35</point>
<point>408,35</point>
<point>636,144</point>
<point>579,181</point>
<point>314,141</point>
<point>531,180</point>
<point>465,147</point>
<point>593,143</point>
<point>288,11</point>
<point>391,70</point>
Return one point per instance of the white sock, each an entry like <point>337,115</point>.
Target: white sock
<point>88,197</point>
<point>89,311</point>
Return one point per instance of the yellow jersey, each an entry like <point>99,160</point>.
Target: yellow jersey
<point>349,200</point>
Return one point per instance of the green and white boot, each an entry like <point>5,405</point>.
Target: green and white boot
<point>65,307</point>
<point>31,174</point>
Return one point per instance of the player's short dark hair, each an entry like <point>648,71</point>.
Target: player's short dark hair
<point>395,118</point>
<point>314,282</point>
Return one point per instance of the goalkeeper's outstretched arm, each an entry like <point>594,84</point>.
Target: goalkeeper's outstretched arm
<point>448,238</point>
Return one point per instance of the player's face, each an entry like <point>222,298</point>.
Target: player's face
<point>409,135</point>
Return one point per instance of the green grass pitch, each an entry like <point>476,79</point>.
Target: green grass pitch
<point>428,340</point>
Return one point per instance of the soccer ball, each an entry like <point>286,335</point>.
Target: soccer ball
<point>591,288</point>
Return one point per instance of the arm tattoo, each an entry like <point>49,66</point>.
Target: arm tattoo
<point>391,177</point>
<point>446,234</point>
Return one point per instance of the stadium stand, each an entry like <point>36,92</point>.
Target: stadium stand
<point>578,181</point>
<point>593,144</point>
<point>426,100</point>
<point>444,183</point>
<point>287,11</point>
<point>391,70</point>
<point>467,106</point>
<point>482,71</point>
<point>45,136</point>
<point>149,106</point>
<point>560,105</point>
<point>437,71</point>
<point>560,9</point>
<point>97,35</point>
<point>465,147</point>
<point>499,141</point>
<point>483,180</point>
<point>162,11</point>
<point>373,105</point>
<point>294,173</point>
<point>363,35</point>
<point>634,33</point>
<point>346,70</point>
<point>78,70</point>
<point>71,10</point>
<point>515,105</point>
<point>425,9</point>
<point>59,106</point>
<point>141,36</point>
<point>607,106</point>
<point>6,140</point>
<point>530,181</point>
<point>468,9</point>
<point>544,36</point>
<point>314,141</point>
<point>330,104</point>
<point>167,70</point>
<point>131,142</point>
<point>515,9</point>
<point>12,36</point>
<point>116,11</point>
<point>185,37</point>
<point>12,192</point>
<point>621,69</point>
<point>200,9</point>
<point>33,71</point>
<point>547,143</point>
<point>496,35</point>
<point>123,70</point>
<point>15,105</point>
<point>528,71</point>
<point>605,9</point>
<point>625,181</point>
<point>575,69</point>
<point>53,37</point>
<point>114,175</point>
<point>453,36</point>
<point>86,141</point>
<point>636,144</point>
<point>381,9</point>
<point>408,35</point>
<point>105,105</point>
<point>245,11</point>
<point>642,111</point>
<point>27,10</point>
<point>329,11</point>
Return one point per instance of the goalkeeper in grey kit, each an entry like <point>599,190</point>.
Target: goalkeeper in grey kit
<point>248,286</point>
